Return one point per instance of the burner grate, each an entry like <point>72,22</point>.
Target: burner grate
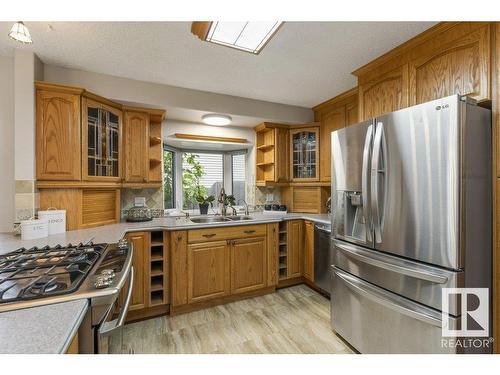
<point>39,272</point>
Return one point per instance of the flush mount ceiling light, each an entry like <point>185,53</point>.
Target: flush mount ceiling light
<point>216,119</point>
<point>249,36</point>
<point>20,33</point>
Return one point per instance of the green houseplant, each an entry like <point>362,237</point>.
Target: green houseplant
<point>204,202</point>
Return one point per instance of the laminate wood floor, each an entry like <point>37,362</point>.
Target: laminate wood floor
<point>293,320</point>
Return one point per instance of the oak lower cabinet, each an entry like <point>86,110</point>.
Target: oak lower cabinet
<point>140,261</point>
<point>309,250</point>
<point>295,240</point>
<point>208,267</point>
<point>215,263</point>
<point>248,264</point>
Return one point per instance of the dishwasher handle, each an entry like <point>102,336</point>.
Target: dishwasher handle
<point>321,228</point>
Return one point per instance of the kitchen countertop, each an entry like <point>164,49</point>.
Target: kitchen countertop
<point>42,330</point>
<point>35,330</point>
<point>112,233</point>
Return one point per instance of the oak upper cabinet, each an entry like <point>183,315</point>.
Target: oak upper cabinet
<point>332,115</point>
<point>140,292</point>
<point>461,66</point>
<point>295,241</point>
<point>309,250</point>
<point>58,133</point>
<point>330,122</point>
<point>136,146</point>
<point>101,141</point>
<point>208,266</point>
<point>248,264</point>
<point>383,94</point>
<point>352,111</point>
<point>272,156</point>
<point>304,154</point>
<point>449,58</point>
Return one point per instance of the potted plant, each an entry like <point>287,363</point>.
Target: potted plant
<point>204,202</point>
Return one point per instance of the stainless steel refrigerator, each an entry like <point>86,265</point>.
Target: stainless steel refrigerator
<point>412,207</point>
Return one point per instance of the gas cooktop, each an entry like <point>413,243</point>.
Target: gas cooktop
<point>28,274</point>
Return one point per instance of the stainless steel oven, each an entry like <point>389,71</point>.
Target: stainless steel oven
<point>109,334</point>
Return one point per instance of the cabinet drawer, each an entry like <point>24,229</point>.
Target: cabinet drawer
<point>224,233</point>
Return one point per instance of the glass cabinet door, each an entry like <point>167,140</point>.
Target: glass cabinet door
<point>304,150</point>
<point>103,141</point>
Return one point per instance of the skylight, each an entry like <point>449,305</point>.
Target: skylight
<point>249,36</point>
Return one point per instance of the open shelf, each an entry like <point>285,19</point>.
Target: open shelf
<point>283,251</point>
<point>158,275</point>
<point>265,147</point>
<point>154,141</point>
<point>156,253</point>
<point>265,164</point>
<point>157,298</point>
<point>157,283</point>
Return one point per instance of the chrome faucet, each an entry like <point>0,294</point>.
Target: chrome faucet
<point>246,206</point>
<point>223,203</point>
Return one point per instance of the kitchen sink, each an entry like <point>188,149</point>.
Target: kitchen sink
<point>239,218</point>
<point>219,219</point>
<point>207,220</point>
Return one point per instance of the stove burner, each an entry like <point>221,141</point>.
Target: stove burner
<point>41,272</point>
<point>47,286</point>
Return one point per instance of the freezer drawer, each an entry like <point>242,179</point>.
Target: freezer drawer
<point>417,281</point>
<point>374,320</point>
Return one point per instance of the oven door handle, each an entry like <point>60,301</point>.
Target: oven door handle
<point>109,326</point>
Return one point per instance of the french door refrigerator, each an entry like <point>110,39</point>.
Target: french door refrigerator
<point>412,207</point>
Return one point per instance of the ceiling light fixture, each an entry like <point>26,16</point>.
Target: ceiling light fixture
<point>216,119</point>
<point>249,36</point>
<point>20,33</point>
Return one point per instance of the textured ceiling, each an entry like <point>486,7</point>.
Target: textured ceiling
<point>304,64</point>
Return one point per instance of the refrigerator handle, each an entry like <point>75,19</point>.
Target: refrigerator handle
<point>365,178</point>
<point>393,265</point>
<point>376,170</point>
<point>388,299</point>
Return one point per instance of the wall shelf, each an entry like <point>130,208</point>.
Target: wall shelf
<point>154,141</point>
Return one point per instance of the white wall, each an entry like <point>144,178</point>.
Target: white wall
<point>7,186</point>
<point>24,114</point>
<point>165,96</point>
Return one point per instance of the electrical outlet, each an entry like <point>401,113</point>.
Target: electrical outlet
<point>269,197</point>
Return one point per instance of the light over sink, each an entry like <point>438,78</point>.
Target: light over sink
<point>219,219</point>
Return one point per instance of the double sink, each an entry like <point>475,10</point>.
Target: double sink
<point>219,219</point>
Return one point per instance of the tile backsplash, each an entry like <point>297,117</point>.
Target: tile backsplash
<point>154,199</point>
<point>27,199</point>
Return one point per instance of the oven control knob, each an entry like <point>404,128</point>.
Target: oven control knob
<point>123,243</point>
<point>109,273</point>
<point>102,281</point>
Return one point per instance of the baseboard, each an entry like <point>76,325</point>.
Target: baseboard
<point>182,309</point>
<point>147,313</point>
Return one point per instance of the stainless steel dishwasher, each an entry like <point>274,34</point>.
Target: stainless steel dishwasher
<point>322,256</point>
